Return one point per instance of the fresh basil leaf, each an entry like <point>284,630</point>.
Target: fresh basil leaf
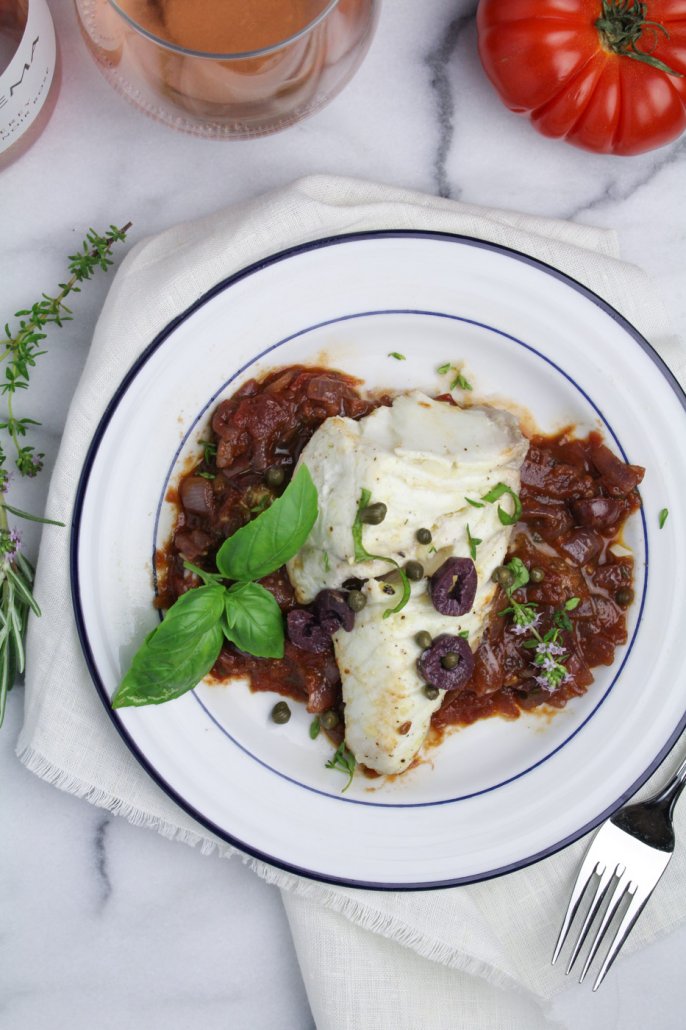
<point>176,655</point>
<point>254,622</point>
<point>274,536</point>
<point>495,494</point>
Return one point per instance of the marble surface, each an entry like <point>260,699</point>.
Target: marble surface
<point>104,925</point>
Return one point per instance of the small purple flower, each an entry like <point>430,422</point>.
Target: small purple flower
<point>544,682</point>
<point>547,664</point>
<point>15,540</point>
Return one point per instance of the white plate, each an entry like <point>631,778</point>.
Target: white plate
<point>494,796</point>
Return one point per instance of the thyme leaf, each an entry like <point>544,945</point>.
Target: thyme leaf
<point>343,761</point>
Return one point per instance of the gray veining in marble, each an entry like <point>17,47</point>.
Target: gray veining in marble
<point>100,849</point>
<point>438,61</point>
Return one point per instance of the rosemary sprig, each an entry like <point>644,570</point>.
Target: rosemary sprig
<point>19,350</point>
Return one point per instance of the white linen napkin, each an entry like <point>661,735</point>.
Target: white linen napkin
<point>369,959</point>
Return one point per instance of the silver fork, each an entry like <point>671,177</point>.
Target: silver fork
<point>624,862</point>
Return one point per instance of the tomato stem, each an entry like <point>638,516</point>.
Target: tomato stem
<point>621,27</point>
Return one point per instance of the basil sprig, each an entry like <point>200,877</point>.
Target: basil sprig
<point>186,644</point>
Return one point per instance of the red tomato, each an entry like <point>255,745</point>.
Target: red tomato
<point>606,75</point>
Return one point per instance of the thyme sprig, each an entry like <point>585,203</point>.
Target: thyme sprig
<point>549,657</point>
<point>344,761</point>
<point>20,348</point>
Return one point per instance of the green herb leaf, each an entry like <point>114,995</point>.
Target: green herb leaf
<point>398,357</point>
<point>344,761</point>
<point>274,536</point>
<point>461,382</point>
<point>572,603</point>
<point>464,633</point>
<point>178,653</point>
<point>209,450</point>
<point>30,518</point>
<point>253,620</point>
<point>473,542</point>
<point>662,518</point>
<point>520,573</point>
<point>405,596</point>
<point>561,620</point>
<point>442,369</point>
<point>474,504</point>
<point>314,728</point>
<point>495,494</point>
<point>362,554</point>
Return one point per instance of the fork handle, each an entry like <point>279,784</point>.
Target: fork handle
<point>669,795</point>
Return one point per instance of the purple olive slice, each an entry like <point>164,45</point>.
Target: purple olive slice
<point>305,632</point>
<point>452,588</point>
<point>431,667</point>
<point>333,612</point>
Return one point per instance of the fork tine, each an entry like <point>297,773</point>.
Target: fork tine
<point>601,890</point>
<point>634,910</point>
<point>620,890</point>
<point>589,866</point>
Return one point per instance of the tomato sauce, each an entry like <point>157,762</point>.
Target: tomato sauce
<point>576,496</point>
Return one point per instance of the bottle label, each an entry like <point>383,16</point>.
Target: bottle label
<point>25,83</point>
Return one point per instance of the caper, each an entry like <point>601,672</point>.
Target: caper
<point>356,600</point>
<point>281,712</point>
<point>329,720</point>
<point>431,692</point>
<point>503,576</point>
<point>423,639</point>
<point>450,660</point>
<point>274,476</point>
<point>624,597</point>
<point>414,570</point>
<point>536,575</point>
<point>373,514</point>
<point>423,536</point>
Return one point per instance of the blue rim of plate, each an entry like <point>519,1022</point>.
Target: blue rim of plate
<point>155,344</point>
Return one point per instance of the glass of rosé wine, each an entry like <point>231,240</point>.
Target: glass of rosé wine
<point>228,69</point>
